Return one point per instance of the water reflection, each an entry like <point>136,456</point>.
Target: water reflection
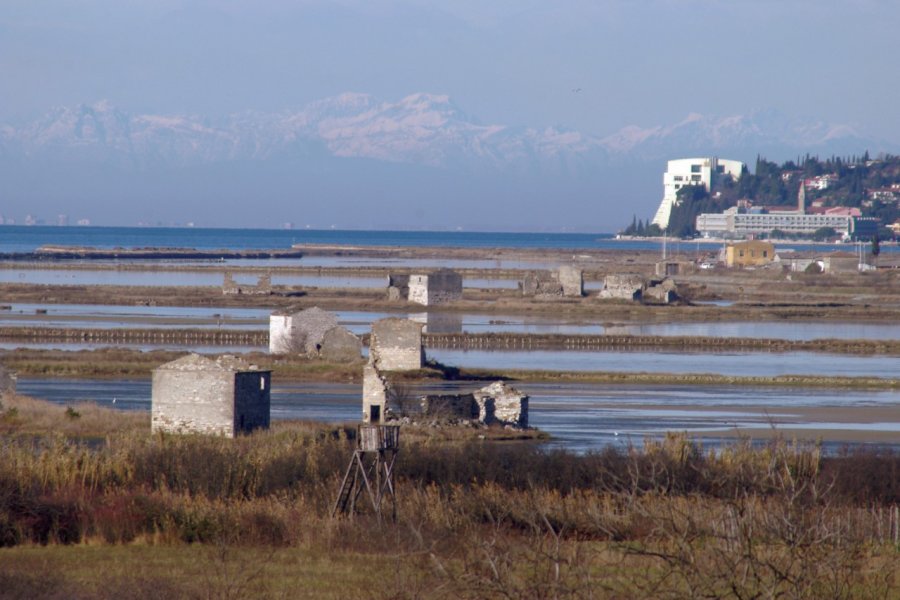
<point>755,364</point>
<point>86,315</point>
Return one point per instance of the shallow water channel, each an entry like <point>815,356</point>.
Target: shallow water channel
<point>208,278</point>
<point>580,417</point>
<point>100,316</point>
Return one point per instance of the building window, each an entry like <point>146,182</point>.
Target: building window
<point>695,168</point>
<point>695,178</point>
<point>678,178</point>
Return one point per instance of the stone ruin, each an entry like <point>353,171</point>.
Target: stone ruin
<point>438,287</point>
<point>195,394</point>
<point>263,286</point>
<point>628,286</point>
<point>339,344</point>
<point>495,404</point>
<point>313,332</point>
<point>634,287</point>
<point>660,291</point>
<point>377,396</point>
<point>564,282</point>
<point>396,345</point>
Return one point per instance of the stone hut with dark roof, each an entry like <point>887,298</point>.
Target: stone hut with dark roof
<point>195,394</point>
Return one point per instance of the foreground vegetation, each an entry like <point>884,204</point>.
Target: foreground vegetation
<point>139,515</point>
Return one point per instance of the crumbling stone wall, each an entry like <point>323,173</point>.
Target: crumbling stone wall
<point>501,404</point>
<point>622,287</point>
<point>378,396</point>
<point>197,395</point>
<point>541,284</point>
<point>396,345</point>
<point>300,332</point>
<point>660,292</point>
<point>263,286</point>
<point>449,406</point>
<point>437,287</point>
<point>444,285</point>
<point>398,287</point>
<point>339,344</point>
<point>418,289</point>
<point>565,281</point>
<point>571,280</point>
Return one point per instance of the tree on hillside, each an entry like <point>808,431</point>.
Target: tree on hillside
<point>823,234</point>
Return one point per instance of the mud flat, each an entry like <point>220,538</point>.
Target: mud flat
<point>52,253</point>
<point>475,301</point>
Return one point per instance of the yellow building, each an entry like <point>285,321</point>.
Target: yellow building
<point>749,254</point>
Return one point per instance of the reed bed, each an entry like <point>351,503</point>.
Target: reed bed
<point>476,519</point>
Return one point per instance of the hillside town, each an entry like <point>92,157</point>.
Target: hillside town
<point>839,199</point>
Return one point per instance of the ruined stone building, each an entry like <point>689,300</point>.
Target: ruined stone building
<point>501,404</point>
<point>339,344</point>
<point>195,394</point>
<point>396,345</point>
<point>437,287</point>
<point>398,287</point>
<point>571,280</point>
<point>263,286</point>
<point>634,287</point>
<point>659,291</point>
<point>313,332</point>
<point>495,404</point>
<point>566,281</point>
<point>377,398</point>
<point>628,286</point>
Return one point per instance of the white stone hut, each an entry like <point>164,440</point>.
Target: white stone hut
<point>195,394</point>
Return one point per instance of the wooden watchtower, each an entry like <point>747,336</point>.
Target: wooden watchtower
<point>371,469</point>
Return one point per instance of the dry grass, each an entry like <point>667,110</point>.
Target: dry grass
<point>27,416</point>
<point>201,516</point>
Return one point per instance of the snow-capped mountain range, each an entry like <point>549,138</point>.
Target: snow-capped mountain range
<point>420,129</point>
<point>357,161</point>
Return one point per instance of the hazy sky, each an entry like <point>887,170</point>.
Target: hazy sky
<point>507,62</point>
<point>642,62</point>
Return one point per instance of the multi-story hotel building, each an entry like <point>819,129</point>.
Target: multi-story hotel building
<point>692,171</point>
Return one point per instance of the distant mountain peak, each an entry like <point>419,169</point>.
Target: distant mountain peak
<point>420,128</point>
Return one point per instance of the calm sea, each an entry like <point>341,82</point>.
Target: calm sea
<point>18,238</point>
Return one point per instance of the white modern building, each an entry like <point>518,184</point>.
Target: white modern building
<point>734,224</point>
<point>692,171</point>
